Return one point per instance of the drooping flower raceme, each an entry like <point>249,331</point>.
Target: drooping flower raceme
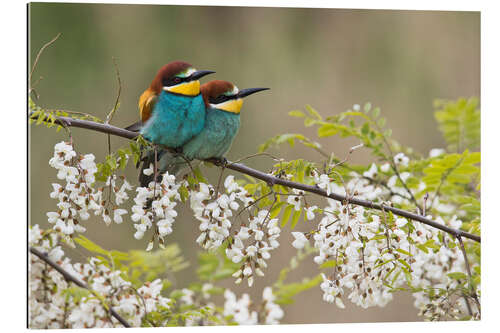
<point>50,306</point>
<point>155,204</point>
<point>250,243</point>
<point>78,197</point>
<point>369,257</point>
<point>245,312</point>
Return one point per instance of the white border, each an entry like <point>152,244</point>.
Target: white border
<point>13,190</point>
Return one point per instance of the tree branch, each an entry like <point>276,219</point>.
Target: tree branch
<point>270,179</point>
<point>71,278</point>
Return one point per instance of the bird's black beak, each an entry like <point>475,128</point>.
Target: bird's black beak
<point>199,74</point>
<point>249,91</point>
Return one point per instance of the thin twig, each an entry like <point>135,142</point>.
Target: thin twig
<point>218,182</point>
<point>272,180</point>
<point>68,277</point>
<point>253,203</point>
<point>256,155</point>
<point>117,101</point>
<point>395,167</point>
<point>38,57</point>
<point>467,267</point>
<point>442,180</point>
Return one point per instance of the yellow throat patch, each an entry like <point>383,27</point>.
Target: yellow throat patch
<point>233,106</point>
<point>191,88</point>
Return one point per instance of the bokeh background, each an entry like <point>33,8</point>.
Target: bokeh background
<point>328,58</point>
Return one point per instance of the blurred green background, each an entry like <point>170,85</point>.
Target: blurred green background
<point>328,58</point>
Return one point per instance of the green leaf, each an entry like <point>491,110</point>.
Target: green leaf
<point>381,122</point>
<point>295,218</point>
<point>328,264</point>
<point>365,128</point>
<point>404,252</point>
<point>286,215</point>
<point>423,248</point>
<point>90,246</point>
<point>432,245</point>
<point>285,293</point>
<point>457,276</point>
<point>313,112</point>
<point>199,175</point>
<point>296,113</point>
<point>459,122</point>
<point>184,193</point>
<point>379,237</point>
<point>405,264</point>
<point>327,130</point>
<point>275,211</point>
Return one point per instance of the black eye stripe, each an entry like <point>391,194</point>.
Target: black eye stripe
<point>172,81</point>
<point>221,99</point>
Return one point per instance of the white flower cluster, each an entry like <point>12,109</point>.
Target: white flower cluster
<point>50,306</point>
<point>200,299</point>
<point>430,270</point>
<point>359,187</point>
<point>241,311</point>
<point>121,195</point>
<point>250,244</point>
<point>344,235</point>
<point>213,215</point>
<point>367,255</point>
<point>155,204</point>
<point>78,197</point>
<point>261,236</point>
<point>296,199</point>
<point>272,310</point>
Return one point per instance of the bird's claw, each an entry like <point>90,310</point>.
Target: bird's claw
<point>222,161</point>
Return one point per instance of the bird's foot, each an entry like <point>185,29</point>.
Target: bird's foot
<point>220,161</point>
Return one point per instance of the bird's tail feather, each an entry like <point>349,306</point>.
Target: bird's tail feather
<point>135,127</point>
<point>166,162</point>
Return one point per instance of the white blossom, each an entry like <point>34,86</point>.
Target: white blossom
<point>239,309</point>
<point>372,172</point>
<point>300,240</point>
<point>156,202</point>
<point>385,167</point>
<point>296,199</point>
<point>149,171</point>
<point>401,159</point>
<point>55,310</point>
<point>435,152</point>
<point>309,212</point>
<point>273,311</point>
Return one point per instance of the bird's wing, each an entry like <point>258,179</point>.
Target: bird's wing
<point>147,102</point>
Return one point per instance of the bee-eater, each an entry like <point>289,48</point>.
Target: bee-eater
<point>172,109</point>
<point>223,102</point>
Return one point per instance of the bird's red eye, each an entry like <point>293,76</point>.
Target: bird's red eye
<point>177,80</point>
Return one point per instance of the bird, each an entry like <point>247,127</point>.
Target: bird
<point>223,101</point>
<point>172,109</point>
